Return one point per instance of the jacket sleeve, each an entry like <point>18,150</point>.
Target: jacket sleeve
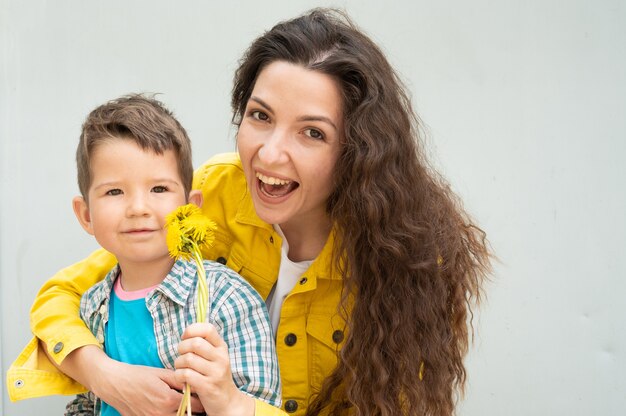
<point>54,316</point>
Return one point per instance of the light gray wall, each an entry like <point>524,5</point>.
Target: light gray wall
<point>524,107</point>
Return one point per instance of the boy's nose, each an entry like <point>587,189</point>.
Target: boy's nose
<point>137,207</point>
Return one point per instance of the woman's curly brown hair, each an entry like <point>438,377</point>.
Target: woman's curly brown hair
<point>412,261</point>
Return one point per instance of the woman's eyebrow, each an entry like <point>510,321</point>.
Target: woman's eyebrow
<point>261,102</point>
<point>323,119</point>
<point>301,118</point>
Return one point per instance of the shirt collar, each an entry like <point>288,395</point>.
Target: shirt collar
<point>177,286</point>
<point>100,293</point>
<point>179,282</point>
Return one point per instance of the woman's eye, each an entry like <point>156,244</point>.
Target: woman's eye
<point>114,192</point>
<point>314,134</point>
<point>159,189</point>
<point>259,115</point>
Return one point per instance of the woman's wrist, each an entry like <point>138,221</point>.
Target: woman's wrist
<point>243,405</point>
<point>239,404</point>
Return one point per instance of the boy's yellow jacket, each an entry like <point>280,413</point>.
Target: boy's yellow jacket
<point>309,334</point>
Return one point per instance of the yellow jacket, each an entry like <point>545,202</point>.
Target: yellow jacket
<point>309,334</point>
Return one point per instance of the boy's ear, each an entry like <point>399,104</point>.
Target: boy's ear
<point>81,210</point>
<point>195,197</point>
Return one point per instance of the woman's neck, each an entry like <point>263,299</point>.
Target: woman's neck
<point>306,242</point>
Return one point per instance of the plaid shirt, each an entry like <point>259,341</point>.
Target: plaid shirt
<point>234,308</point>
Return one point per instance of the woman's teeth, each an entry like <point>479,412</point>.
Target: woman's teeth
<point>269,180</point>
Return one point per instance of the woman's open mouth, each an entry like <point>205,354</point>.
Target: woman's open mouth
<point>275,187</point>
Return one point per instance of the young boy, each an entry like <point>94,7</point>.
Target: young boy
<point>134,167</point>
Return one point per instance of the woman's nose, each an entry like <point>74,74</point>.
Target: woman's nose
<point>275,148</point>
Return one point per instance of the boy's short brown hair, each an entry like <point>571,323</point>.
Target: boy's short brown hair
<point>141,119</point>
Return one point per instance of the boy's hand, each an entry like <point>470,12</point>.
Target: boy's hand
<point>204,364</point>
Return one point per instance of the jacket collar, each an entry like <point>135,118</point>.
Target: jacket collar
<point>323,266</point>
<point>246,214</point>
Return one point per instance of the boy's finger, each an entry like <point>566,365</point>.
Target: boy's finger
<point>169,378</point>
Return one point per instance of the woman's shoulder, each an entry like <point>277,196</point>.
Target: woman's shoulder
<point>223,166</point>
<point>231,158</point>
<point>223,184</point>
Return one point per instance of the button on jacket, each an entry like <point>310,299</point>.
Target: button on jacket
<point>307,341</point>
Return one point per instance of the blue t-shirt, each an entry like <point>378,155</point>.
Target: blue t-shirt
<point>129,337</point>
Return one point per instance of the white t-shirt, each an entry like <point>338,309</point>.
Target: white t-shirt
<point>288,275</point>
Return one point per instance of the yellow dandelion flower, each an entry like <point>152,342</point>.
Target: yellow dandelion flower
<point>200,229</point>
<point>188,230</point>
<point>184,212</point>
<point>175,243</point>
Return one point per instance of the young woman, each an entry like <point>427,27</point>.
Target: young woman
<point>368,262</point>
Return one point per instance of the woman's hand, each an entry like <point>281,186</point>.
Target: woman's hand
<point>205,365</point>
<point>140,390</point>
<point>131,389</point>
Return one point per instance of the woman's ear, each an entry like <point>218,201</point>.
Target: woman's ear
<point>195,197</point>
<point>81,210</point>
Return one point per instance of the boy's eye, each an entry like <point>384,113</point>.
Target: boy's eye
<point>259,115</point>
<point>159,189</point>
<point>114,192</point>
<point>314,134</point>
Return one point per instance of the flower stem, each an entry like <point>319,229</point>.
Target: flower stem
<point>202,298</point>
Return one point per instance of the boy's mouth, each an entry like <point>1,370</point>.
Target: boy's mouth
<point>275,187</point>
<point>138,231</point>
